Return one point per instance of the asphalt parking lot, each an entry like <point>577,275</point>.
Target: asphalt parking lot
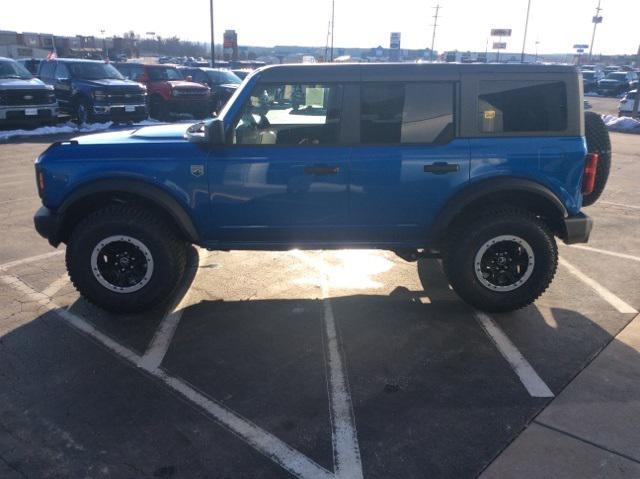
<point>303,364</point>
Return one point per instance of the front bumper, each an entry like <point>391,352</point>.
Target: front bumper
<point>37,114</point>
<point>47,224</point>
<point>124,112</point>
<point>577,229</point>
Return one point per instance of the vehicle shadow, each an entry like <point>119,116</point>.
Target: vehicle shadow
<point>419,366</point>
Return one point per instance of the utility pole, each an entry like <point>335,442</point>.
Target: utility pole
<point>435,25</point>
<point>213,45</point>
<point>333,17</point>
<point>597,19</point>
<point>636,102</point>
<point>526,27</point>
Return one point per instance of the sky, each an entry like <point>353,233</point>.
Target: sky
<point>464,24</point>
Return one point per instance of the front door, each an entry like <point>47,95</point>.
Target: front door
<point>283,177</point>
<point>408,162</point>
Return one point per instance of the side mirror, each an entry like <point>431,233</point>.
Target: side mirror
<point>189,78</point>
<point>210,132</point>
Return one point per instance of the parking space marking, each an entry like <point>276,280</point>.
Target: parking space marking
<point>56,286</point>
<point>266,443</point>
<point>603,292</point>
<point>604,251</point>
<point>620,204</point>
<point>31,259</point>
<point>159,345</point>
<point>528,376</point>
<point>346,450</point>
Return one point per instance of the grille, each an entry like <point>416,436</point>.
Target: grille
<point>126,97</point>
<point>26,97</point>
<point>189,92</point>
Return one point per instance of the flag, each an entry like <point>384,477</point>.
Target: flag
<point>52,55</point>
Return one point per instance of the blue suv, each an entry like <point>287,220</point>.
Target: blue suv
<point>91,90</point>
<point>480,165</point>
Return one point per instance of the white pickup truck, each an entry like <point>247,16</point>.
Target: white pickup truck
<point>626,104</point>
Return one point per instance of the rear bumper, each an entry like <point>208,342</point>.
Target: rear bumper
<point>577,229</point>
<point>47,224</point>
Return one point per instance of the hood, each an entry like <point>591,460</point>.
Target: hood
<point>610,81</point>
<point>180,84</point>
<point>20,84</point>
<point>155,133</point>
<point>111,83</point>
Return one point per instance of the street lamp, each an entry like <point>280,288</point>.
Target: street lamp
<point>213,46</point>
<point>526,27</point>
<point>104,43</point>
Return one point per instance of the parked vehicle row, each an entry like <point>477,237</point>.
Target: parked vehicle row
<point>610,80</point>
<point>23,98</point>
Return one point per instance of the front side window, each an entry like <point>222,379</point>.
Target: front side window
<point>526,107</point>
<point>406,113</point>
<point>290,114</point>
<point>62,72</point>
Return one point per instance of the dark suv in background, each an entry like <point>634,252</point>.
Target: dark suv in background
<point>91,90</point>
<point>617,83</point>
<point>223,83</point>
<point>168,90</point>
<point>23,98</point>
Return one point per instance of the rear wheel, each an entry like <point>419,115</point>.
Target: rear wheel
<point>598,141</point>
<point>502,260</point>
<point>125,259</point>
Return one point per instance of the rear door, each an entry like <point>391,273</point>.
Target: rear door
<point>409,160</point>
<point>62,85</point>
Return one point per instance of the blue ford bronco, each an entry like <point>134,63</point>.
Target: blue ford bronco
<point>479,165</point>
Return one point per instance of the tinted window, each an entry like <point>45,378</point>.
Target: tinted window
<point>47,69</point>
<point>395,113</point>
<point>94,71</point>
<point>62,71</point>
<point>291,114</point>
<point>522,107</point>
<point>164,74</point>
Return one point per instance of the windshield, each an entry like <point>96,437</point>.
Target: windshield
<point>10,69</point>
<point>225,76</point>
<point>588,75</point>
<point>617,76</point>
<point>163,74</point>
<point>94,71</point>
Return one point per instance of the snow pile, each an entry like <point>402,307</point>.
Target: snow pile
<point>68,127</point>
<point>622,123</point>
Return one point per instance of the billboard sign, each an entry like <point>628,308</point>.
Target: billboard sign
<point>596,19</point>
<point>499,45</point>
<point>501,32</point>
<point>580,45</point>
<point>394,43</point>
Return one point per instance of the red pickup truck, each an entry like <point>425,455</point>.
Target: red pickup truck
<point>168,90</point>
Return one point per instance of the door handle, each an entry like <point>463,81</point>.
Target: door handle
<point>321,170</point>
<point>441,168</point>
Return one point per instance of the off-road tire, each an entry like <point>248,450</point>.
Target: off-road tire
<point>598,141</point>
<point>167,250</point>
<point>464,242</point>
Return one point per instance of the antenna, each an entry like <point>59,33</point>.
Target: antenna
<point>435,25</point>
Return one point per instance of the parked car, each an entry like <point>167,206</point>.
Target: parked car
<point>223,83</point>
<point>590,79</point>
<point>626,104</point>
<point>616,83</point>
<point>31,64</point>
<point>480,165</point>
<point>168,91</point>
<point>94,91</point>
<point>610,69</point>
<point>24,100</point>
<point>242,73</point>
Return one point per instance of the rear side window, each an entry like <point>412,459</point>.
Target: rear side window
<point>395,113</point>
<point>522,107</point>
<point>47,69</point>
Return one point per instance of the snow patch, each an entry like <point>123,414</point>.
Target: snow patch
<point>622,124</point>
<point>65,128</point>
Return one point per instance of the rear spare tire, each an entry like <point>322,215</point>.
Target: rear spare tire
<point>598,141</point>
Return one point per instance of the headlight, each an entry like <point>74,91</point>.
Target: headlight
<point>175,92</point>
<point>51,97</point>
<point>99,95</point>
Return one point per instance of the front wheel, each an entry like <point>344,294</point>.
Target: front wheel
<point>125,259</point>
<point>502,260</point>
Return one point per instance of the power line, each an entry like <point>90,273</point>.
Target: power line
<point>435,25</point>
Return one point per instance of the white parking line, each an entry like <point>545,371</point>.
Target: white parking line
<point>603,292</point>
<point>266,443</point>
<point>56,286</point>
<point>159,345</point>
<point>31,259</point>
<point>528,376</point>
<point>347,460</point>
<point>604,251</point>
<point>620,204</point>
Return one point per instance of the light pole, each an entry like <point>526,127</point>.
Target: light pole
<point>597,19</point>
<point>104,44</point>
<point>435,25</point>
<point>213,46</point>
<point>333,17</point>
<point>526,27</point>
